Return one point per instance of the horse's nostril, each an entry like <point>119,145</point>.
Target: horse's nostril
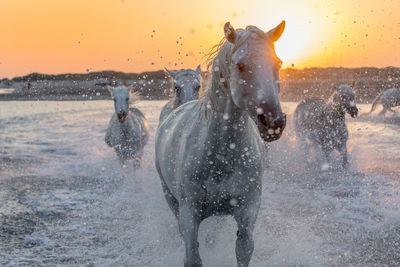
<point>262,119</point>
<point>280,122</point>
<point>121,115</point>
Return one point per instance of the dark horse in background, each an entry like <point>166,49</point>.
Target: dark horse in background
<point>324,125</point>
<point>389,98</point>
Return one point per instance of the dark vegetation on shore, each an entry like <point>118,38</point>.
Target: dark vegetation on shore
<point>296,84</point>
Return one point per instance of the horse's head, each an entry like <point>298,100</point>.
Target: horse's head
<point>186,84</point>
<point>254,77</point>
<point>344,97</point>
<point>121,96</point>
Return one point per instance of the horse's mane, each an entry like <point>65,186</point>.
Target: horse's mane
<point>134,97</point>
<point>222,52</point>
<point>332,97</point>
<point>210,56</point>
<point>338,91</point>
<point>242,34</point>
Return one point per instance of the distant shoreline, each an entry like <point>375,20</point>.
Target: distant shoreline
<point>296,84</point>
<point>18,97</point>
<point>11,97</point>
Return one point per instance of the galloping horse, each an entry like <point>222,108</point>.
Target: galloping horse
<point>324,123</point>
<point>209,152</point>
<point>186,87</point>
<point>127,131</point>
<point>389,98</point>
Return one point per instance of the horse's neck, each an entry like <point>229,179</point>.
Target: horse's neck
<point>226,118</point>
<point>336,111</point>
<point>175,102</point>
<point>221,101</point>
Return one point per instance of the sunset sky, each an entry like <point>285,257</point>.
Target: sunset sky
<point>59,36</point>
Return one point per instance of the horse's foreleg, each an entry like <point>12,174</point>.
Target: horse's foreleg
<point>306,148</point>
<point>171,200</point>
<point>137,162</point>
<point>383,112</point>
<point>137,159</point>
<point>343,153</point>
<point>327,153</point>
<point>245,218</point>
<point>189,222</point>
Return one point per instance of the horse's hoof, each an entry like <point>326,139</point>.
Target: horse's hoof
<point>136,163</point>
<point>345,166</point>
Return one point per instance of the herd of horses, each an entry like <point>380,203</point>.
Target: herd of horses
<point>210,146</point>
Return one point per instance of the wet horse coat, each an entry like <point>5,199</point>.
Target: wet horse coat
<point>209,152</point>
<point>127,131</point>
<point>324,124</point>
<point>186,84</point>
<point>389,99</point>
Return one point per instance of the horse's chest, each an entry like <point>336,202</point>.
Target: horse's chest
<point>127,135</point>
<point>332,132</point>
<point>231,177</point>
<point>222,196</point>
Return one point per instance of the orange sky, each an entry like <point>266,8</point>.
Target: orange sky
<point>59,36</point>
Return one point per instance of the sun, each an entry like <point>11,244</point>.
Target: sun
<point>302,36</point>
<point>293,44</point>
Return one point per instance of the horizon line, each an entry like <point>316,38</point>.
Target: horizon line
<point>204,71</point>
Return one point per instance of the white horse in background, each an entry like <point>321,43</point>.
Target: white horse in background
<point>187,87</point>
<point>127,131</point>
<point>210,152</point>
<point>388,98</point>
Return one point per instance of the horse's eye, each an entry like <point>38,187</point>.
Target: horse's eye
<point>241,67</point>
<point>127,99</point>
<point>177,88</point>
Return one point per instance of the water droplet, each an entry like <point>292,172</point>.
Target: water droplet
<point>233,202</point>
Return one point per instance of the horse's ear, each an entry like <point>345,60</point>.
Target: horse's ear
<point>276,32</point>
<point>198,70</point>
<point>230,32</point>
<point>170,73</point>
<point>353,84</point>
<point>336,87</point>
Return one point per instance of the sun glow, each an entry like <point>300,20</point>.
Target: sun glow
<point>134,36</point>
<point>294,44</point>
<point>305,33</point>
<point>299,41</point>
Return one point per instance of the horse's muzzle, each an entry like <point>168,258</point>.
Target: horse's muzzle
<point>271,129</point>
<point>353,111</point>
<point>122,116</point>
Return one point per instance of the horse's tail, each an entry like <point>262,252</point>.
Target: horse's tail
<point>376,101</point>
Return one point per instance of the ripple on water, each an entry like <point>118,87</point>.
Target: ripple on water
<point>78,206</point>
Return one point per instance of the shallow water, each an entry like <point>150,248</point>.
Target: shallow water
<point>66,200</point>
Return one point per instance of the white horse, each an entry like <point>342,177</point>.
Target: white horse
<point>209,152</point>
<point>186,84</point>
<point>388,98</point>
<point>127,131</point>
